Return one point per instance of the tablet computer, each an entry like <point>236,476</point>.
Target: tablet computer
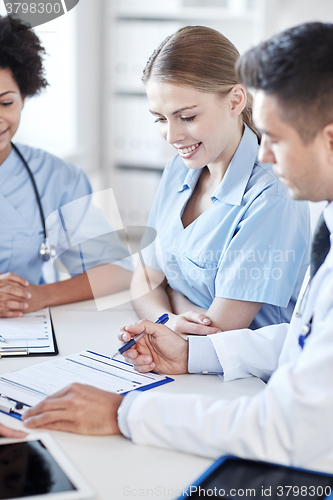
<point>36,469</point>
<point>236,478</point>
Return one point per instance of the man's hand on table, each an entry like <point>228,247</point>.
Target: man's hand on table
<point>77,408</point>
<point>86,410</point>
<point>161,349</point>
<point>11,433</point>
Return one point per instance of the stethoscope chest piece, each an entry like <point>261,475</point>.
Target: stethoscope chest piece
<point>46,251</point>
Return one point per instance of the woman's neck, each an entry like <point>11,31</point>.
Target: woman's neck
<point>218,169</point>
<point>4,153</point>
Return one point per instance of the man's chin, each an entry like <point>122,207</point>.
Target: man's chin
<point>295,194</point>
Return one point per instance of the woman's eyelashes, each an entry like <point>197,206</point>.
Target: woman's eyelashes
<point>187,118</point>
<point>183,119</point>
<point>6,103</point>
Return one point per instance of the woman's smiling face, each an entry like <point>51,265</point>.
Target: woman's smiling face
<point>11,104</point>
<point>201,126</point>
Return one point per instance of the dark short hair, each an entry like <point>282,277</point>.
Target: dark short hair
<point>296,66</point>
<point>22,53</point>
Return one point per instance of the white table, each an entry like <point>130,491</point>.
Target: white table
<point>115,467</point>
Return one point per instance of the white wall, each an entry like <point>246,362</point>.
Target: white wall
<point>282,14</point>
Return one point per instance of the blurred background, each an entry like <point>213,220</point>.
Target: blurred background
<point>95,113</point>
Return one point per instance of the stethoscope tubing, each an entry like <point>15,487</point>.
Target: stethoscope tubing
<point>45,250</point>
<point>25,163</point>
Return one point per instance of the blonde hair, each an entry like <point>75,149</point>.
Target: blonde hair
<point>198,57</point>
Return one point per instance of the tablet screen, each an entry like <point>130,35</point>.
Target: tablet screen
<point>239,479</point>
<point>27,469</point>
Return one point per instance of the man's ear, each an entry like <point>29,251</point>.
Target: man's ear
<point>328,138</point>
<point>238,99</point>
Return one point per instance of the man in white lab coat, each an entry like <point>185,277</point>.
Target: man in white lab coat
<point>290,421</point>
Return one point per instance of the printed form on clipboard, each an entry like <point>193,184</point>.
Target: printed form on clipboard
<point>31,334</point>
<point>29,386</point>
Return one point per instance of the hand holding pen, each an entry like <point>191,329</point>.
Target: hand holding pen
<point>161,349</point>
<point>160,321</point>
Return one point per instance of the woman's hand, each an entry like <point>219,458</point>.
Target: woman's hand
<point>39,297</point>
<point>14,295</point>
<point>193,323</point>
<point>78,408</point>
<point>161,349</point>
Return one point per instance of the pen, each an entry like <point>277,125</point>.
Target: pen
<point>160,321</point>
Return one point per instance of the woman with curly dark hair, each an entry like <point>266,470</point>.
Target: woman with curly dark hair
<point>35,185</point>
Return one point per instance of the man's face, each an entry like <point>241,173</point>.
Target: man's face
<point>305,168</point>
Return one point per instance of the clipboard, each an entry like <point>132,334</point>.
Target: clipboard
<point>30,335</point>
<point>27,387</point>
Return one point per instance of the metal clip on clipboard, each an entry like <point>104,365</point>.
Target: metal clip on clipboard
<point>13,352</point>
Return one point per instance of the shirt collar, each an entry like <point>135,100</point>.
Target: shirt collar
<point>190,180</point>
<point>7,166</point>
<point>328,216</point>
<point>232,187</point>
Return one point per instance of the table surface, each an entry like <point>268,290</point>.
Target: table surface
<point>115,467</point>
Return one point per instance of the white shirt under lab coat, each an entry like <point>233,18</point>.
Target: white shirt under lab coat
<point>289,422</point>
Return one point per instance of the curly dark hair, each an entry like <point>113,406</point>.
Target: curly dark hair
<point>22,53</point>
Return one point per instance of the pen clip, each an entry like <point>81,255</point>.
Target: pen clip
<point>12,352</point>
<point>5,405</point>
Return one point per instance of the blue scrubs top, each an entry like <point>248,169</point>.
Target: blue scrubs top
<point>88,240</point>
<point>251,244</point>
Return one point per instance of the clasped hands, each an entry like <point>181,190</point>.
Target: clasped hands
<point>18,296</point>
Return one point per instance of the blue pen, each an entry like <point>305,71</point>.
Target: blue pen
<point>160,321</point>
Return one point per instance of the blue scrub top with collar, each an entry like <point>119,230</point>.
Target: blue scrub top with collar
<point>21,231</point>
<point>251,244</point>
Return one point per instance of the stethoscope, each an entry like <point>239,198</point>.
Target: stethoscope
<point>46,251</point>
<point>307,327</point>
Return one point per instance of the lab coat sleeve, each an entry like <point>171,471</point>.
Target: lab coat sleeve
<point>243,353</point>
<point>289,421</point>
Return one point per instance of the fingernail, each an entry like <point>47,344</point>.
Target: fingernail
<point>25,306</point>
<point>147,360</point>
<point>26,283</point>
<point>124,336</point>
<point>206,320</point>
<point>218,331</point>
<point>29,295</point>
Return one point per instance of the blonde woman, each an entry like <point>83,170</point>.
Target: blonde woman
<point>233,244</point>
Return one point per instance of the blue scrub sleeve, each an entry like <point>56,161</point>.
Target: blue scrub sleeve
<point>265,255</point>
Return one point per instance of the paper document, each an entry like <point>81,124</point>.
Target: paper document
<point>31,385</point>
<point>31,333</point>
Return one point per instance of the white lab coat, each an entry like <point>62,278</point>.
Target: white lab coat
<point>290,421</point>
